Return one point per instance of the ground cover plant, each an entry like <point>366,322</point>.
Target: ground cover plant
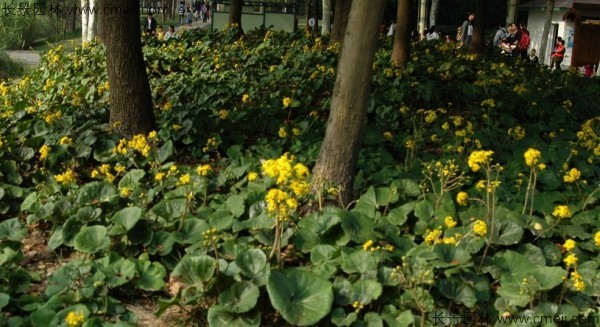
<point>477,191</point>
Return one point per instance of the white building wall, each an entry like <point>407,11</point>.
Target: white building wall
<point>535,25</point>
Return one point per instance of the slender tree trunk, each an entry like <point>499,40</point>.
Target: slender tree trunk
<point>92,25</point>
<point>433,12</point>
<point>130,98</point>
<point>235,14</point>
<point>340,20</point>
<point>401,48</point>
<point>84,20</point>
<point>336,164</point>
<point>314,14</point>
<point>477,42</point>
<point>422,16</point>
<point>544,39</point>
<point>326,28</point>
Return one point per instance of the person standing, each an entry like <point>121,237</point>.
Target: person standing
<point>150,24</point>
<point>467,30</point>
<point>558,54</point>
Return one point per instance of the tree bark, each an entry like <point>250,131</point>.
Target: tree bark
<point>401,48</point>
<point>130,98</point>
<point>477,42</point>
<point>340,20</point>
<point>84,20</point>
<point>433,12</point>
<point>326,28</point>
<point>91,32</point>
<point>338,155</point>
<point>545,30</point>
<point>512,10</point>
<point>422,17</point>
<point>235,14</point>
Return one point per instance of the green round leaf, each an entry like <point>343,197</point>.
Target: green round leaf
<point>220,316</point>
<point>195,270</point>
<point>128,217</point>
<point>301,297</point>
<point>240,298</point>
<point>91,239</point>
<point>253,264</point>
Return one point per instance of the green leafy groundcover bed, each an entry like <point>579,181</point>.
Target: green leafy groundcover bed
<point>477,191</point>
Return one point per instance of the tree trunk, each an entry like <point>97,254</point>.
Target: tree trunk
<point>336,164</point>
<point>422,17</point>
<point>235,14</point>
<point>433,12</point>
<point>401,49</point>
<point>326,28</point>
<point>130,98</point>
<point>512,10</point>
<point>544,39</point>
<point>91,31</point>
<point>340,20</point>
<point>478,42</point>
<point>84,20</point>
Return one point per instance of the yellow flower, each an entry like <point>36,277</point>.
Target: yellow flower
<point>159,176</point>
<point>185,179</point>
<point>597,238</point>
<point>300,188</point>
<point>74,319</point>
<point>152,135</point>
<point>245,98</point>
<point>480,228</point>
<point>577,280</point>
<point>66,178</point>
<point>286,102</point>
<point>125,192</point>
<point>367,245</point>
<point>462,198</point>
<point>44,151</point>
<point>478,158</point>
<point>282,132</point>
<point>561,211</point>
<point>388,135</point>
<point>223,114</point>
<point>204,170</point>
<point>569,245</point>
<point>65,140</point>
<point>572,175</point>
<point>570,259</point>
<point>532,156</point>
<point>252,176</point>
<point>433,236</point>
<point>450,222</point>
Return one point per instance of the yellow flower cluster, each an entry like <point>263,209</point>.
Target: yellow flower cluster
<point>357,306</point>
<point>577,281</point>
<point>44,151</point>
<point>139,143</point>
<point>368,246</point>
<point>570,260</point>
<point>589,135</point>
<point>532,157</point>
<point>252,176</point>
<point>517,133</point>
<point>488,103</point>
<point>65,140</point>
<point>211,144</point>
<point>433,237</point>
<point>291,183</point>
<point>286,102</point>
<point>462,198</point>
<point>282,132</point>
<point>597,238</point>
<point>223,114</point>
<point>450,222</point>
<point>572,175</point>
<point>204,170</point>
<point>388,135</point>
<point>66,177</point>
<point>245,98</point>
<point>210,236</point>
<point>479,158</point>
<point>184,179</point>
<point>51,117</point>
<point>105,171</point>
<point>480,228</point>
<point>488,187</point>
<point>569,244</point>
<point>74,319</point>
<point>561,211</point>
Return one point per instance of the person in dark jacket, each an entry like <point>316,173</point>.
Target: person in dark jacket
<point>150,24</point>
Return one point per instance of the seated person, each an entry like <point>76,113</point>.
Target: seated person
<point>170,34</point>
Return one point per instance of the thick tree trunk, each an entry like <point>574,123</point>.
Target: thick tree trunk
<point>326,28</point>
<point>235,14</point>
<point>433,12</point>
<point>401,49</point>
<point>544,39</point>
<point>336,164</point>
<point>512,10</point>
<point>130,98</point>
<point>91,32</point>
<point>477,42</point>
<point>340,20</point>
